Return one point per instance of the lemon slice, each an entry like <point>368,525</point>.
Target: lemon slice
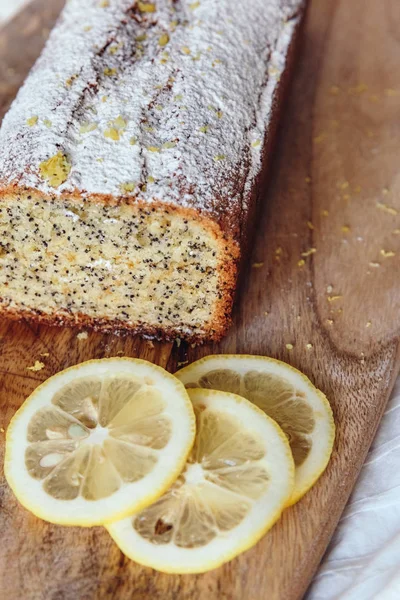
<point>235,485</point>
<point>284,394</point>
<point>99,441</point>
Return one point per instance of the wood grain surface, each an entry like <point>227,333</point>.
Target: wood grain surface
<point>334,203</point>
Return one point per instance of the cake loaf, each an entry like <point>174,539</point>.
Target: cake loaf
<point>131,160</point>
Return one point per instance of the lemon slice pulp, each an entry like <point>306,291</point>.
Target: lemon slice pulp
<point>234,487</point>
<point>98,441</point>
<point>283,393</point>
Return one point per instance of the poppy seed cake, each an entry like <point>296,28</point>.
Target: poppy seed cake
<point>130,163</point>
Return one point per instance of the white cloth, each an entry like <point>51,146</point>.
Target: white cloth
<point>363,558</point>
<point>8,8</point>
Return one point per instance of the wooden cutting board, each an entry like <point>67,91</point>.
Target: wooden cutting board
<point>335,196</point>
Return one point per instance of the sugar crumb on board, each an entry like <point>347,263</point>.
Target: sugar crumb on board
<point>38,366</point>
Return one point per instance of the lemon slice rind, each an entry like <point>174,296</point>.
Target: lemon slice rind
<point>264,512</point>
<point>131,496</point>
<point>323,434</point>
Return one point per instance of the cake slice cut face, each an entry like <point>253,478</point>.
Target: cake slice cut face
<point>131,162</point>
<point>157,270</point>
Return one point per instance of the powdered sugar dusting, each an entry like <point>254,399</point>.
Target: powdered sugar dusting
<point>172,105</point>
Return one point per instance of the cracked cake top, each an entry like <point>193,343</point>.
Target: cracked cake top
<point>165,100</point>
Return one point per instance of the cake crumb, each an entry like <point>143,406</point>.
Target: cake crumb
<point>309,252</point>
<point>391,92</point>
<point>319,138</point>
<point>329,322</point>
<point>387,253</point>
<point>388,209</point>
<point>44,354</point>
<point>345,228</point>
<point>375,265</point>
<point>2,429</point>
<point>289,347</point>
<point>87,127</point>
<point>83,335</point>
<point>32,121</point>
<point>358,89</point>
<point>310,225</point>
<point>309,346</point>
<point>178,342</point>
<point>181,363</point>
<point>38,366</point>
<point>324,213</point>
<point>334,90</point>
<point>343,185</point>
<point>301,262</point>
<point>333,298</point>
<point>368,324</point>
<point>147,7</point>
<point>163,40</point>
<point>266,313</point>
<point>55,170</point>
<point>257,265</point>
<point>329,289</point>
<point>308,179</point>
